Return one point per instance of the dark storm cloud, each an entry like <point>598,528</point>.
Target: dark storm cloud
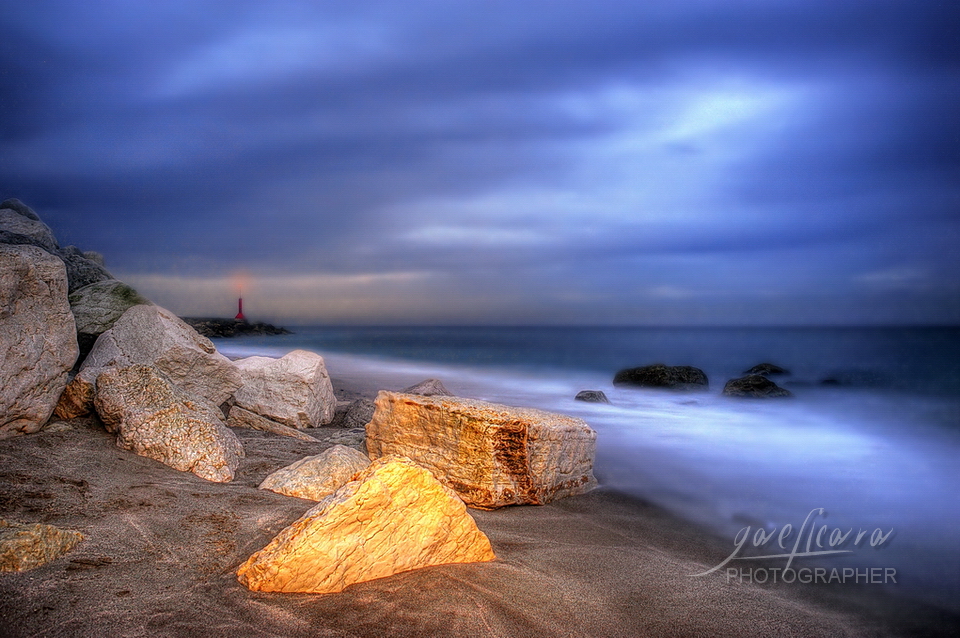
<point>597,161</point>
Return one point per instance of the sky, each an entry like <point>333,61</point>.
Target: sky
<point>695,162</point>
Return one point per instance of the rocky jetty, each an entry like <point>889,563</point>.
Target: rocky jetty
<point>393,518</point>
<point>214,328</point>
<point>491,455</point>
<point>659,375</point>
<point>754,386</point>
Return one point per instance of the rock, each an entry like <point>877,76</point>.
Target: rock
<point>16,228</point>
<point>77,398</point>
<point>155,418</point>
<point>25,546</point>
<point>592,396</point>
<point>316,477</point>
<point>81,271</point>
<point>428,388</point>
<point>16,205</point>
<point>355,414</point>
<point>226,328</point>
<point>754,386</point>
<point>491,455</point>
<point>394,517</point>
<point>766,369</point>
<point>659,375</point>
<point>294,390</point>
<point>37,337</point>
<point>154,336</point>
<point>240,418</point>
<point>97,307</point>
<point>95,257</point>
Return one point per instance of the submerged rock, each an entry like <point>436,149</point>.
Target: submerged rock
<point>592,396</point>
<point>766,369</point>
<point>659,375</point>
<point>316,477</point>
<point>38,338</point>
<point>393,518</point>
<point>294,390</point>
<point>25,546</point>
<point>754,386</point>
<point>155,418</point>
<point>491,455</point>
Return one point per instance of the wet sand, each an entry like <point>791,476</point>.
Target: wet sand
<point>161,548</point>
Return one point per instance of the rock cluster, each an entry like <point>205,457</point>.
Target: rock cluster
<point>491,455</point>
<point>394,517</point>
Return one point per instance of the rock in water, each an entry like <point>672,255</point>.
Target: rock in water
<point>428,388</point>
<point>294,390</point>
<point>393,518</point>
<point>153,336</point>
<point>754,386</point>
<point>491,455</point>
<point>155,418</point>
<point>25,546</point>
<point>766,369</point>
<point>659,375</point>
<point>592,396</point>
<point>38,338</point>
<point>316,477</point>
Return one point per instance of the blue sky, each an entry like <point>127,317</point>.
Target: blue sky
<point>693,162</point>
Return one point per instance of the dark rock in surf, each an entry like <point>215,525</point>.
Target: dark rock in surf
<point>767,369</point>
<point>592,396</point>
<point>659,375</point>
<point>754,386</point>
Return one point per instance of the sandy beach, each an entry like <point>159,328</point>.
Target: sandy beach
<point>161,549</point>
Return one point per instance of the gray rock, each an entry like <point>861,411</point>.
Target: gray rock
<point>766,369</point>
<point>81,271</point>
<point>95,257</point>
<point>16,205</point>
<point>316,477</point>
<point>428,388</point>
<point>754,386</point>
<point>240,418</point>
<point>97,307</point>
<point>659,375</point>
<point>155,418</point>
<point>38,338</point>
<point>357,414</point>
<point>592,396</point>
<point>294,390</point>
<point>18,229</point>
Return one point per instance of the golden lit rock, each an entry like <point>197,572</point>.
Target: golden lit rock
<point>24,546</point>
<point>491,455</point>
<point>394,517</point>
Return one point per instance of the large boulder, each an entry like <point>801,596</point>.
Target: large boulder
<point>37,337</point>
<point>659,375</point>
<point>394,517</point>
<point>294,390</point>
<point>154,336</point>
<point>754,386</point>
<point>316,477</point>
<point>155,418</point>
<point>96,307</point>
<point>25,546</point>
<point>491,455</point>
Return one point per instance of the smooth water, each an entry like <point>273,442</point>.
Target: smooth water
<point>876,448</point>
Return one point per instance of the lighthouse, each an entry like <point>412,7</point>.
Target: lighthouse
<point>240,316</point>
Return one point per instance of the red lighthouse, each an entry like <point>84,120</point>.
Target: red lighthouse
<point>240,316</point>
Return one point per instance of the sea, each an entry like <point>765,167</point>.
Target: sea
<point>862,463</point>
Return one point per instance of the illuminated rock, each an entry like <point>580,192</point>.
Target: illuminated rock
<point>294,390</point>
<point>25,546</point>
<point>38,340</point>
<point>155,418</point>
<point>316,477</point>
<point>393,518</point>
<point>491,455</point>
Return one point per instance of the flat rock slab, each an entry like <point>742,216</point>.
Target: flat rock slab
<point>491,455</point>
<point>26,546</point>
<point>316,477</point>
<point>393,518</point>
